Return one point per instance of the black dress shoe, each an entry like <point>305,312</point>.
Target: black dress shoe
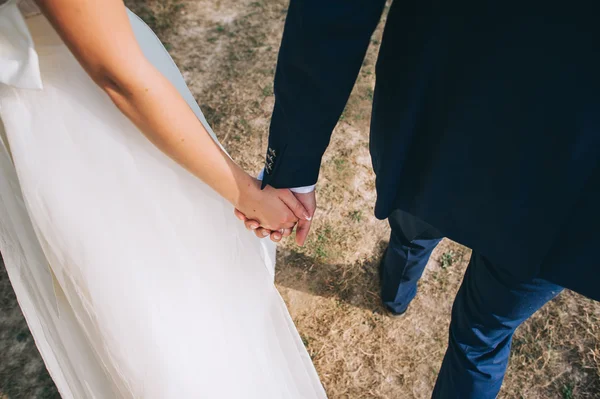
<point>393,314</point>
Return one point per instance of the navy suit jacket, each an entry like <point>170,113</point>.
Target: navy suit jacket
<point>486,125</point>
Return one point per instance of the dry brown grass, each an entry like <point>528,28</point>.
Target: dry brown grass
<point>160,15</point>
<point>227,51</point>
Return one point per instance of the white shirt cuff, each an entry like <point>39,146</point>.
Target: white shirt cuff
<point>297,190</point>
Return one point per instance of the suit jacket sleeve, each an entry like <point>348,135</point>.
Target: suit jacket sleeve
<point>323,47</point>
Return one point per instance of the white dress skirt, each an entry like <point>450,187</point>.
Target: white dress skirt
<point>135,278</point>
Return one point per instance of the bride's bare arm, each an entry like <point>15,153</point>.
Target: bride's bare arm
<point>99,34</point>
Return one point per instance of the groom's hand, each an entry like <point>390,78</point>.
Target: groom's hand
<point>309,200</point>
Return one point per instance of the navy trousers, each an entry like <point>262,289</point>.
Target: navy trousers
<point>489,306</point>
<point>411,244</point>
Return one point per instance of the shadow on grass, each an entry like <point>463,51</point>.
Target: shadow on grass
<point>354,284</point>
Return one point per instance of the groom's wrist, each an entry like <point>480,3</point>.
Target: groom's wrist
<point>303,190</point>
<point>297,190</point>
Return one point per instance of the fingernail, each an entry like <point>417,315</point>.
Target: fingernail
<point>254,226</point>
<point>307,216</point>
<point>265,233</point>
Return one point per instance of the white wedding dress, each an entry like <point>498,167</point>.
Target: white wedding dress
<point>135,278</point>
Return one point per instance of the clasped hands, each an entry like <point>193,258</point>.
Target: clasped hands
<point>275,212</point>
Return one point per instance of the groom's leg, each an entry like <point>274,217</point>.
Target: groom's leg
<point>411,244</point>
<point>488,308</point>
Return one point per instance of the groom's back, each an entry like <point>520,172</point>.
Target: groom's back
<point>487,126</point>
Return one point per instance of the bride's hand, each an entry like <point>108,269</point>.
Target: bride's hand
<point>274,209</point>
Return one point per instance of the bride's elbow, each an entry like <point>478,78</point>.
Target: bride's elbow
<point>122,77</point>
<point>112,88</point>
<point>117,87</point>
<point>107,83</point>
<point>123,83</point>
